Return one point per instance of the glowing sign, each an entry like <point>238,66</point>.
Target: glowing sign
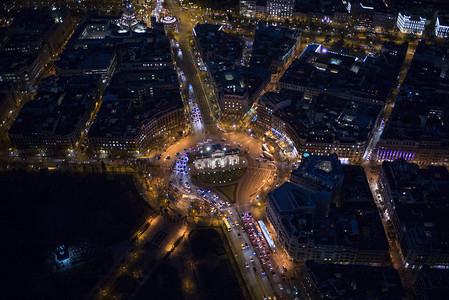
<point>266,234</point>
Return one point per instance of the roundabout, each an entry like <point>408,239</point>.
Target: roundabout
<point>241,183</point>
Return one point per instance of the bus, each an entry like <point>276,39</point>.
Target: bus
<point>267,235</point>
<point>228,228</point>
<point>189,197</point>
<point>268,155</point>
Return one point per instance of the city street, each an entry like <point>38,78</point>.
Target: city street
<point>259,285</point>
<point>188,64</point>
<point>161,235</point>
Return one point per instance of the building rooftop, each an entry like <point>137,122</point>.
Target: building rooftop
<point>222,52</point>
<point>328,7</point>
<point>271,44</point>
<point>60,103</point>
<point>419,116</point>
<point>98,38</point>
<point>324,119</point>
<point>134,98</point>
<point>419,6</point>
<point>336,281</point>
<point>218,45</point>
<point>85,59</point>
<point>429,68</point>
<point>15,62</point>
<point>343,214</point>
<point>372,5</point>
<point>434,283</point>
<point>36,21</point>
<point>290,197</point>
<point>421,198</point>
<point>421,111</point>
<point>370,79</point>
<point>443,18</point>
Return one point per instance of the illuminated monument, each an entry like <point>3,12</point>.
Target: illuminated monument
<point>217,157</point>
<point>128,21</point>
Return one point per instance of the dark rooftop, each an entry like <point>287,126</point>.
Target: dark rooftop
<point>347,76</point>
<point>60,103</point>
<point>347,219</point>
<point>271,44</point>
<point>421,198</point>
<point>324,118</point>
<point>355,281</point>
<point>134,98</point>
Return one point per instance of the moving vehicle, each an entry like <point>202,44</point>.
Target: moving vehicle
<point>228,227</point>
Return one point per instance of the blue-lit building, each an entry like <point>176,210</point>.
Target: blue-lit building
<point>418,127</point>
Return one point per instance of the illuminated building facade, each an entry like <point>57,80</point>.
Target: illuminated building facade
<point>411,23</point>
<point>248,8</point>
<point>322,125</point>
<point>138,107</point>
<point>280,8</point>
<point>217,157</point>
<point>372,15</point>
<point>442,26</point>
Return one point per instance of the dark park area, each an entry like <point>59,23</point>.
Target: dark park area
<point>163,284</point>
<point>90,216</point>
<point>216,276</point>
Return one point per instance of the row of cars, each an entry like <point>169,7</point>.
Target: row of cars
<point>180,166</point>
<point>261,248</point>
<point>217,206</point>
<point>195,111</point>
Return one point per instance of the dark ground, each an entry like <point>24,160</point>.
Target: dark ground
<point>215,271</point>
<point>42,211</point>
<point>163,284</point>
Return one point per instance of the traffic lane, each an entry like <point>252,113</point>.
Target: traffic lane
<point>279,258</point>
<point>259,283</point>
<point>178,147</point>
<point>251,185</point>
<point>198,90</point>
<point>239,258</point>
<point>276,267</point>
<point>235,217</point>
<point>272,280</point>
<point>203,103</point>
<point>253,246</point>
<point>193,75</point>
